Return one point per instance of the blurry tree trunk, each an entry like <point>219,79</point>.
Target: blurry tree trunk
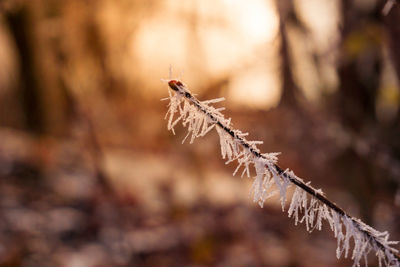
<point>290,91</point>
<point>20,24</point>
<point>43,101</point>
<point>393,27</point>
<point>392,139</point>
<point>359,73</point>
<point>360,69</point>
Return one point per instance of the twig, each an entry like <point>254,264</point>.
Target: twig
<point>388,6</point>
<point>92,143</point>
<point>200,118</point>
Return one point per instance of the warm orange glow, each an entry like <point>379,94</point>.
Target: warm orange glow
<point>226,36</point>
<point>321,18</point>
<point>256,88</point>
<point>237,39</point>
<point>256,20</point>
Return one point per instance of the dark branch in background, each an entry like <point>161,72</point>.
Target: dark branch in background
<point>93,145</point>
<point>389,6</point>
<point>21,28</point>
<point>392,21</point>
<point>290,91</point>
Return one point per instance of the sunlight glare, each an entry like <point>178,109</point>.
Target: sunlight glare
<point>225,37</point>
<point>257,19</point>
<point>258,87</point>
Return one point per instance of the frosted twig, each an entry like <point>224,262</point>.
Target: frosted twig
<point>307,205</point>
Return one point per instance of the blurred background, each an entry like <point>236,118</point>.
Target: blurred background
<point>90,176</point>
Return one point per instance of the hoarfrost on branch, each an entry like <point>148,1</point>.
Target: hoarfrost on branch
<point>307,205</point>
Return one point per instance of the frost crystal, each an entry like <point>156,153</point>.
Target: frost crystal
<point>307,205</point>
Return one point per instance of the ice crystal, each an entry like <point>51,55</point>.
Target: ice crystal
<point>307,204</point>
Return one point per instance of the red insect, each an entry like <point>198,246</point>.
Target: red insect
<point>174,84</point>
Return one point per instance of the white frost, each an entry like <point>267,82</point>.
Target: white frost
<point>199,118</point>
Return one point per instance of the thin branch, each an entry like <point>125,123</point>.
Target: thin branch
<point>200,118</point>
<point>93,145</point>
<point>388,6</point>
